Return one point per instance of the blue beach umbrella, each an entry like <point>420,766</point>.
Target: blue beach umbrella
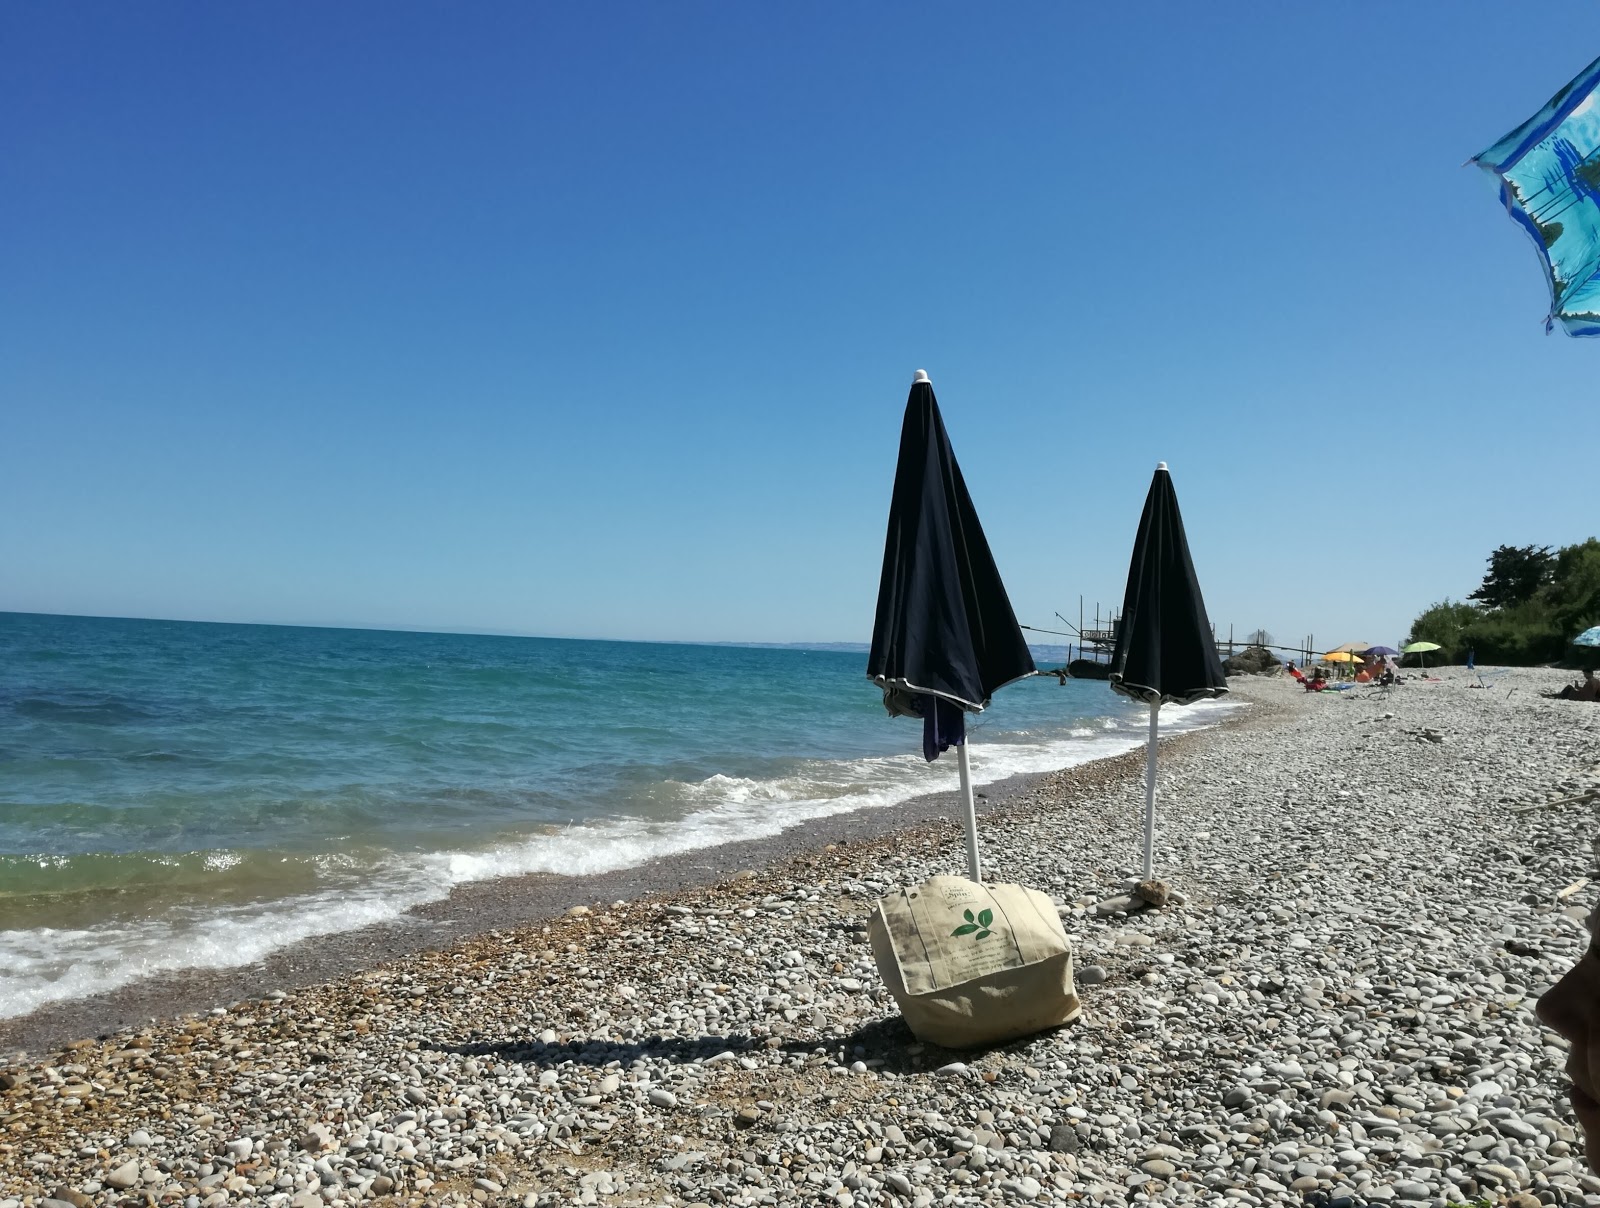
<point>1380,651</point>
<point>1589,637</point>
<point>1549,173</point>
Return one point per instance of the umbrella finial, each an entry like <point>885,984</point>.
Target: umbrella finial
<point>1161,465</point>
<point>921,375</point>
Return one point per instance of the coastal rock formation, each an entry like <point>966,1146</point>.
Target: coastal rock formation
<point>1252,660</point>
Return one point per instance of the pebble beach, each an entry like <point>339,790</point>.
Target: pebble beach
<point>1370,891</point>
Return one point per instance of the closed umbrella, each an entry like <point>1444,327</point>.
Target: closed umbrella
<point>1165,652</point>
<point>945,638</point>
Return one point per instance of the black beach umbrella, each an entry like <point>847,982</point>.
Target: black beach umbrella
<point>1165,651</point>
<point>945,638</point>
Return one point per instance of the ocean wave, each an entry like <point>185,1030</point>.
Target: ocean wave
<point>345,890</point>
<point>103,711</point>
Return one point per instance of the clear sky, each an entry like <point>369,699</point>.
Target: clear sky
<point>599,319</point>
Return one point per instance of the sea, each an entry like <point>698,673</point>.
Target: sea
<point>181,795</point>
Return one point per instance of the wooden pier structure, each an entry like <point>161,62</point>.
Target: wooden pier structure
<point>1092,644</point>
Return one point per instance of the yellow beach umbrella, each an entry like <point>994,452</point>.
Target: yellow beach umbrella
<point>1341,656</point>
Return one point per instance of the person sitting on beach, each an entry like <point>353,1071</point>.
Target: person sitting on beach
<point>1318,680</point>
<point>1588,690</point>
<point>1572,1008</point>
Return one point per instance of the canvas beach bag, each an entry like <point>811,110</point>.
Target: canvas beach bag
<point>973,964</point>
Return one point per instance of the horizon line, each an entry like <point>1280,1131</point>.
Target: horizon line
<point>459,631</point>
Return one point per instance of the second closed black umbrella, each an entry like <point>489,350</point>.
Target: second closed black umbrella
<point>945,637</point>
<point>1165,651</point>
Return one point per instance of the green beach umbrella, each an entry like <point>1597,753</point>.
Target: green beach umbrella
<point>1421,648</point>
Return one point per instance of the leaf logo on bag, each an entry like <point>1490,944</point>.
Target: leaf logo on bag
<point>979,924</point>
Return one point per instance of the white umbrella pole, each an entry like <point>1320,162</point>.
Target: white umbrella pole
<point>1150,798</point>
<point>974,870</point>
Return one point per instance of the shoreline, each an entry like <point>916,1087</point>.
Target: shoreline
<point>1372,890</point>
<point>477,908</point>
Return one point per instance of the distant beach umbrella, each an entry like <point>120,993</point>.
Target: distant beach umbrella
<point>1589,637</point>
<point>1352,648</point>
<point>945,639</point>
<point>1381,651</point>
<point>1420,649</point>
<point>1165,651</point>
<point>1549,173</point>
<point>1341,656</point>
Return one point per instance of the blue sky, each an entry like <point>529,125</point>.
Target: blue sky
<point>598,320</point>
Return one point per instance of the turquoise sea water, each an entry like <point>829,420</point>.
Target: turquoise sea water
<point>175,794</point>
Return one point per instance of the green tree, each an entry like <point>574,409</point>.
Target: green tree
<point>1521,635</point>
<point>1534,604</point>
<point>1574,591</point>
<point>1516,573</point>
<point>1445,622</point>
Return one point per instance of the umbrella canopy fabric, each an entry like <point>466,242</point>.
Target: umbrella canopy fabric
<point>1419,647</point>
<point>1165,650</point>
<point>1353,647</point>
<point>945,625</point>
<point>1381,651</point>
<point>1589,637</point>
<point>1549,173</point>
<point>1341,656</point>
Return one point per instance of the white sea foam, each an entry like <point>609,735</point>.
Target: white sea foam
<point>47,965</point>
